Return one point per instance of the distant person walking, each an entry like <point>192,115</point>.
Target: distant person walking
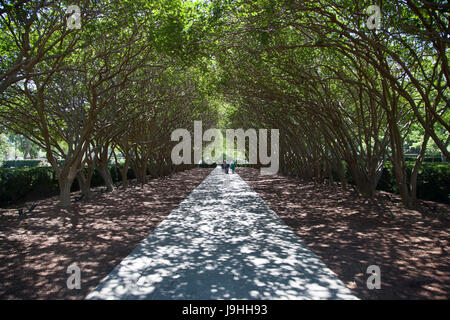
<point>233,166</point>
<point>227,167</point>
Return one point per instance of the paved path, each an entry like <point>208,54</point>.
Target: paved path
<point>222,242</point>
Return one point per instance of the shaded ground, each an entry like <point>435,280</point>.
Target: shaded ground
<point>222,242</point>
<point>350,233</point>
<point>96,235</point>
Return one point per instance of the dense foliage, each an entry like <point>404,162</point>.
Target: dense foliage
<point>347,98</point>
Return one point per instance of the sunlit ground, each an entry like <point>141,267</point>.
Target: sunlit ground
<point>349,233</point>
<point>96,235</point>
<point>222,242</point>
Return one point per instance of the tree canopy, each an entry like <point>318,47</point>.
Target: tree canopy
<point>342,94</point>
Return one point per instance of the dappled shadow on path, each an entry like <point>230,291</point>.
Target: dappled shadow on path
<point>222,242</point>
<point>350,233</point>
<point>96,235</point>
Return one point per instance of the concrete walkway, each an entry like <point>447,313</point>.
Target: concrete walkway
<point>222,242</point>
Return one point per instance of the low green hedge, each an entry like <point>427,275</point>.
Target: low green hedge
<point>243,165</point>
<point>21,163</point>
<point>17,183</point>
<point>433,181</point>
<point>205,165</point>
<point>413,157</point>
<point>40,182</point>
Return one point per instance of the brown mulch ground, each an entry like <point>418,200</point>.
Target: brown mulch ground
<point>350,233</point>
<point>96,235</point>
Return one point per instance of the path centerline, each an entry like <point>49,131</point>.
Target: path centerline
<point>222,242</point>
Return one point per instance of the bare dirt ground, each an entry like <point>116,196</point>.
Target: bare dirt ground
<point>96,235</point>
<point>350,233</point>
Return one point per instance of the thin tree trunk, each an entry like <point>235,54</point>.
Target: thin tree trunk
<point>341,172</point>
<point>65,185</point>
<point>106,176</point>
<point>415,172</point>
<point>124,172</point>
<point>84,187</point>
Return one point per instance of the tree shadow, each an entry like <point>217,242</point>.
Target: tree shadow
<point>96,235</point>
<point>350,233</point>
<point>222,242</point>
